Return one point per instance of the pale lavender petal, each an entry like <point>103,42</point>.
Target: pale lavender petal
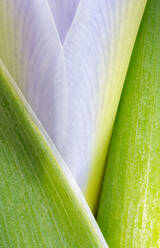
<point>97,51</point>
<point>32,52</point>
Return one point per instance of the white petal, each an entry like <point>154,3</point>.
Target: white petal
<point>97,51</point>
<point>63,12</point>
<point>32,52</point>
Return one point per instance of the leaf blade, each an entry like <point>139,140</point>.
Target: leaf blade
<point>131,198</point>
<point>39,201</point>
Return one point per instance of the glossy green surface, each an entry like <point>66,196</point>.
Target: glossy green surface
<point>38,207</point>
<point>129,210</point>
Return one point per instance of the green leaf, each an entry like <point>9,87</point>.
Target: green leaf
<point>129,211</point>
<point>40,204</point>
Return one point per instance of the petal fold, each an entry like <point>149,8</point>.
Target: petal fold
<point>63,12</point>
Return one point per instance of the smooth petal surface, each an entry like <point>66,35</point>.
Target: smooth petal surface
<point>97,51</point>
<point>63,12</point>
<point>129,212</point>
<point>31,50</point>
<point>40,204</point>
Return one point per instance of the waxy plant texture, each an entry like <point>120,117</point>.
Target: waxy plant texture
<point>80,123</point>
